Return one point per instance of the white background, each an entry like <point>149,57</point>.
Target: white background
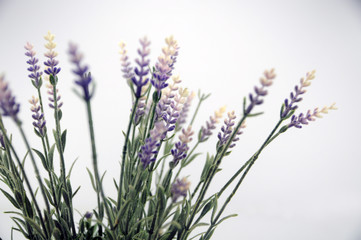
<point>306,185</point>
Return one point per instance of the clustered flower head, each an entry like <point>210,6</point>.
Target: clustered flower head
<point>50,92</point>
<point>184,113</point>
<point>8,105</point>
<point>227,129</point>
<point>125,63</point>
<point>35,74</point>
<point>141,105</point>
<point>304,119</point>
<point>142,70</point>
<point>81,71</point>
<point>149,149</point>
<point>51,63</point>
<point>289,105</point>
<point>181,147</point>
<point>266,81</point>
<point>168,95</point>
<point>206,131</point>
<point>38,116</point>
<point>172,112</point>
<point>179,188</point>
<point>165,64</point>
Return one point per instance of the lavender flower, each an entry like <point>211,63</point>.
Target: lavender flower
<point>304,119</point>
<point>88,215</point>
<point>39,122</point>
<point>51,63</point>
<point>266,81</point>
<point>179,188</point>
<point>167,96</point>
<point>143,70</point>
<point>126,68</point>
<point>35,74</point>
<point>8,105</point>
<point>227,129</point>
<point>50,91</point>
<point>164,65</point>
<point>141,105</point>
<point>206,132</point>
<point>184,113</point>
<point>172,112</point>
<point>181,147</point>
<point>84,77</point>
<point>295,97</point>
<point>149,149</point>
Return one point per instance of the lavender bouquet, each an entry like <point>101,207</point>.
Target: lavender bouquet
<point>153,201</point>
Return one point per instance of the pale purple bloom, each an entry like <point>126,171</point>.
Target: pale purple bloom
<point>51,62</point>
<point>84,77</point>
<point>142,70</point>
<point>125,63</point>
<point>179,189</point>
<point>181,147</point>
<point>227,129</point>
<point>289,105</point>
<point>206,131</point>
<point>51,96</point>
<point>184,113</point>
<point>35,74</point>
<point>8,105</point>
<point>148,151</point>
<point>38,116</point>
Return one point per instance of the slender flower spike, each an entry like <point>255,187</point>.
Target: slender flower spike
<point>149,149</point>
<point>304,119</point>
<point>266,81</point>
<point>142,70</point>
<point>81,71</point>
<point>141,105</point>
<point>206,131</point>
<point>181,147</point>
<point>50,91</point>
<point>172,113</point>
<point>125,63</point>
<point>35,74</point>
<point>184,113</point>
<point>289,105</point>
<point>165,64</point>
<point>39,122</point>
<point>227,129</point>
<point>8,105</point>
<point>179,188</point>
<point>168,95</point>
<point>51,63</point>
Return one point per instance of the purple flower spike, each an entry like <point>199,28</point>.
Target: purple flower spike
<point>8,105</point>
<point>168,95</point>
<point>179,189</point>
<point>289,105</point>
<point>266,81</point>
<point>51,94</point>
<point>84,77</point>
<point>227,129</point>
<point>206,131</point>
<point>142,70</point>
<point>304,119</point>
<point>184,113</point>
<point>125,63</point>
<point>39,122</point>
<point>51,63</point>
<point>35,74</point>
<point>165,63</point>
<point>181,147</point>
<point>149,149</point>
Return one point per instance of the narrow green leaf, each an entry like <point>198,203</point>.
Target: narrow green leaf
<point>225,218</point>
<point>63,139</point>
<point>35,226</point>
<point>11,199</point>
<point>42,158</point>
<point>71,168</point>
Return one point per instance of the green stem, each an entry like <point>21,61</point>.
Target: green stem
<point>185,160</point>
<point>25,178</point>
<point>124,154</point>
<point>250,162</point>
<point>196,111</point>
<point>37,173</point>
<point>95,163</point>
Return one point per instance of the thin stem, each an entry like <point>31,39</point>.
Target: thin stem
<point>25,178</point>
<point>95,163</point>
<point>124,154</point>
<point>250,162</point>
<point>37,173</point>
<point>196,111</point>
